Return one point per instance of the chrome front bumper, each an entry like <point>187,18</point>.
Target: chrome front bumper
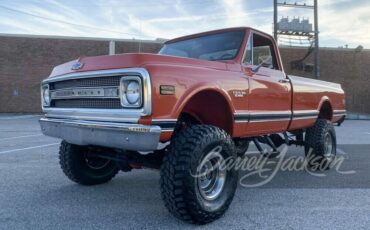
<point>125,136</point>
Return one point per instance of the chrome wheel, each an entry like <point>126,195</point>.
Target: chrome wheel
<point>211,175</point>
<point>328,142</point>
<point>321,145</point>
<point>195,183</point>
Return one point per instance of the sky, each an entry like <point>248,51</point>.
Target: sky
<point>341,22</point>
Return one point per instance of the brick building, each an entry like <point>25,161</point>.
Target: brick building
<point>26,60</point>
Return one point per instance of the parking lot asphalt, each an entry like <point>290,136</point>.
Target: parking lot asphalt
<point>35,194</point>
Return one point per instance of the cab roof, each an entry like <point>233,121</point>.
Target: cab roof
<point>215,32</point>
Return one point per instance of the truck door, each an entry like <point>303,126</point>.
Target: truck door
<point>269,101</point>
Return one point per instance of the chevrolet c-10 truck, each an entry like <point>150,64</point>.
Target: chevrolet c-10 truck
<point>196,104</point>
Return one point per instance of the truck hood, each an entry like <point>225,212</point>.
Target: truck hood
<point>121,61</point>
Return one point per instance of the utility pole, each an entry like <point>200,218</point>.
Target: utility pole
<point>275,19</point>
<point>293,32</point>
<point>317,55</point>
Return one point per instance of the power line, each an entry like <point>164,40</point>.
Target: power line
<point>70,23</point>
<point>146,5</point>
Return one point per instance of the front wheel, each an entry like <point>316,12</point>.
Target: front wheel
<point>321,145</point>
<point>80,165</point>
<point>194,185</point>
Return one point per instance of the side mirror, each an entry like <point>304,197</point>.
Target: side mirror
<point>256,68</point>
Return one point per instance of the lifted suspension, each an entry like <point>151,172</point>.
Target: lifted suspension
<point>274,141</point>
<point>128,160</point>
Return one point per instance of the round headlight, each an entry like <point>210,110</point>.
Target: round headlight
<point>133,92</point>
<point>46,96</point>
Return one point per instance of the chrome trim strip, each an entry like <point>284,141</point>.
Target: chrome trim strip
<point>304,118</point>
<point>167,130</point>
<point>167,125</point>
<point>96,73</point>
<point>268,112</point>
<point>271,116</point>
<point>106,125</point>
<point>164,120</point>
<point>83,96</point>
<point>241,117</point>
<point>270,120</point>
<point>241,121</point>
<point>305,112</point>
<point>115,115</point>
<point>339,113</point>
<point>42,95</point>
<point>244,117</point>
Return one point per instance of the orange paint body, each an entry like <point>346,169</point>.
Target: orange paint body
<point>228,93</point>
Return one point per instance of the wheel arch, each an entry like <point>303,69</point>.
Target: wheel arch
<point>210,106</point>
<point>325,109</point>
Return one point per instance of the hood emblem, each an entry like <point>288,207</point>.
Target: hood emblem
<point>77,66</point>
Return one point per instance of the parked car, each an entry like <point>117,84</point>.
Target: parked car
<point>194,105</point>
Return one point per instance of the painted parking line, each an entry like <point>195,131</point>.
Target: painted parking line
<point>25,136</point>
<point>18,117</point>
<point>340,151</point>
<point>28,148</point>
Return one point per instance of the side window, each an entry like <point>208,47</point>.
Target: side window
<point>262,56</point>
<point>261,52</point>
<point>248,58</point>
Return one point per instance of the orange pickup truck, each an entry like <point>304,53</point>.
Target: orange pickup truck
<point>193,106</point>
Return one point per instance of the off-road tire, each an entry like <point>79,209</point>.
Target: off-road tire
<point>315,146</point>
<point>74,165</point>
<point>185,121</point>
<point>179,189</point>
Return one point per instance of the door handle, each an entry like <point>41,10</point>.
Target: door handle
<point>284,80</point>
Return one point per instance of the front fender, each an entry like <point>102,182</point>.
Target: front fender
<point>197,88</point>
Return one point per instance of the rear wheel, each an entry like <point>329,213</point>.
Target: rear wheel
<point>321,145</point>
<point>80,165</point>
<point>193,186</point>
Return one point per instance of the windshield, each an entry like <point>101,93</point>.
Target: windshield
<point>221,46</point>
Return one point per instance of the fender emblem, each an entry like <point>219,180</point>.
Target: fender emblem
<point>167,90</point>
<point>239,93</point>
<point>77,66</point>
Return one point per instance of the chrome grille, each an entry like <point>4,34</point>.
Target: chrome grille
<point>88,103</point>
<point>80,93</point>
<point>86,82</point>
<point>121,114</point>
